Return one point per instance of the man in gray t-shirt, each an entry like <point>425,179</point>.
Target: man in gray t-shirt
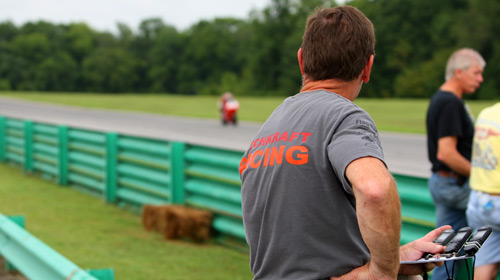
<point>317,198</point>
<point>303,150</point>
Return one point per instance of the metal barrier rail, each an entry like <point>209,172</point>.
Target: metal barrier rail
<point>417,208</point>
<point>137,171</point>
<point>14,143</point>
<point>212,182</point>
<point>142,170</point>
<point>35,259</point>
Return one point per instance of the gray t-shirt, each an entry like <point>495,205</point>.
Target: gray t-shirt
<point>298,208</point>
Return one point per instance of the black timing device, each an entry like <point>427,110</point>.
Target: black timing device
<point>473,245</point>
<point>454,246</point>
<point>444,237</point>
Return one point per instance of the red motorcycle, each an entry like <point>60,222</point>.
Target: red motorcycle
<point>228,112</point>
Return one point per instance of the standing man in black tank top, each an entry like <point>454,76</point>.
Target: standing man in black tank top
<point>450,129</point>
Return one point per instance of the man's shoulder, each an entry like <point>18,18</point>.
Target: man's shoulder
<point>445,98</point>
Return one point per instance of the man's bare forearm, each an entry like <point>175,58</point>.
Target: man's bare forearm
<point>379,213</point>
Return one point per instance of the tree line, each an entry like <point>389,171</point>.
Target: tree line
<point>253,56</point>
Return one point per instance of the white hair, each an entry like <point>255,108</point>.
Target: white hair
<point>463,59</point>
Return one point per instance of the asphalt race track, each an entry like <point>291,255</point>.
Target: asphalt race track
<point>404,153</point>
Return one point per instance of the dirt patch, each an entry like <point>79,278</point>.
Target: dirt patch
<point>9,275</point>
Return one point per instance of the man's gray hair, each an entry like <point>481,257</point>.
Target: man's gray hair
<point>463,59</point>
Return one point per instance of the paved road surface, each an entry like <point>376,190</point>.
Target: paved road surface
<point>404,153</point>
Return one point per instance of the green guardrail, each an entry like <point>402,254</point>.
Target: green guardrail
<point>212,182</point>
<point>35,260</point>
<point>417,207</point>
<point>135,171</point>
<point>130,171</point>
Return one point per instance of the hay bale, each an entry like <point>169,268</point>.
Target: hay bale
<point>178,221</point>
<point>150,217</point>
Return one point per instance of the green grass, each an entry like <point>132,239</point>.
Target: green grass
<point>94,234</point>
<point>251,109</point>
<point>407,115</point>
<point>397,115</point>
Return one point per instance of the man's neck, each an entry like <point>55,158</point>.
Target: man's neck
<point>453,87</point>
<point>349,90</point>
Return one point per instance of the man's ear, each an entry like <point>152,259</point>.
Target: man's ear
<point>301,61</point>
<point>365,76</point>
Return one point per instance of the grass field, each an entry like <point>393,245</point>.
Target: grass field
<point>93,234</point>
<point>397,115</point>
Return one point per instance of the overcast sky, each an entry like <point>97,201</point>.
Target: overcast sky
<point>102,15</point>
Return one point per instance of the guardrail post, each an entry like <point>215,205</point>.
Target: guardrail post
<point>177,172</point>
<point>20,220</point>
<point>3,137</point>
<point>28,146</point>
<point>63,162</point>
<point>111,166</point>
<point>102,274</point>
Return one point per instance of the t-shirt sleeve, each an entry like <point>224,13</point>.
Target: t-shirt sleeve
<point>356,137</point>
<point>449,123</point>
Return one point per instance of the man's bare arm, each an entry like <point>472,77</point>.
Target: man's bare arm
<point>379,213</point>
<point>448,153</point>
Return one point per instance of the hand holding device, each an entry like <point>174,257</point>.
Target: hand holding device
<point>454,243</point>
<point>442,239</point>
